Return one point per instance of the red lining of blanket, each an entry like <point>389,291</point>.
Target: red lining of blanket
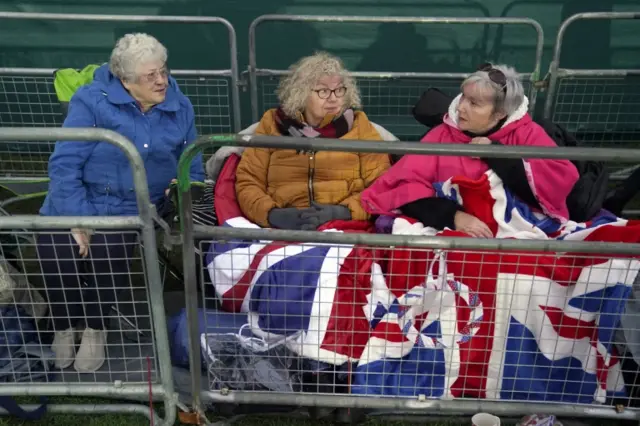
<point>225,201</point>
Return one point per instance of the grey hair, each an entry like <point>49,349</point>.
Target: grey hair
<point>134,49</point>
<point>295,88</point>
<point>506,101</point>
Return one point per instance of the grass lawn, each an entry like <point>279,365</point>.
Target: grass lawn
<point>298,418</point>
<point>130,420</point>
<point>127,420</point>
<point>57,419</point>
<point>80,420</point>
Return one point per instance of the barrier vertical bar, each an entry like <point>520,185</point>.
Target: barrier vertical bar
<point>554,68</point>
<point>190,276</point>
<point>610,104</point>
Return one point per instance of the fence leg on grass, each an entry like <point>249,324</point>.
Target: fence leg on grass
<point>191,287</point>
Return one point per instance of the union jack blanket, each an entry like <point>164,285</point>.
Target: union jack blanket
<point>444,324</point>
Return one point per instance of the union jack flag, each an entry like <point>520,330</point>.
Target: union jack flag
<point>504,325</point>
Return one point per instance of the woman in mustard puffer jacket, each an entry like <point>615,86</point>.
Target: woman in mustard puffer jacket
<point>287,189</point>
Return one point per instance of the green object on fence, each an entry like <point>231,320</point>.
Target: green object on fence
<point>230,138</point>
<point>68,80</point>
<point>184,164</point>
<point>174,188</point>
<point>184,181</point>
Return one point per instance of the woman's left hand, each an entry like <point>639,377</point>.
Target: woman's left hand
<point>168,190</point>
<point>481,141</point>
<point>319,214</point>
<point>82,238</point>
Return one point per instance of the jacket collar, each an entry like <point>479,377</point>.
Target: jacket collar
<point>117,94</point>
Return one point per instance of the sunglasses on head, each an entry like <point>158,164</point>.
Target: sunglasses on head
<point>495,75</point>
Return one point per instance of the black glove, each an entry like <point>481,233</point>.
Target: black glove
<point>287,218</point>
<point>319,214</point>
<point>307,219</point>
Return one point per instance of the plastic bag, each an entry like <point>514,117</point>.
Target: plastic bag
<point>22,357</point>
<point>14,288</point>
<point>239,362</point>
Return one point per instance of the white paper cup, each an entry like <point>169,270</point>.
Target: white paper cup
<point>485,419</point>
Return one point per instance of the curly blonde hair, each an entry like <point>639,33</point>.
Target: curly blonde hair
<point>295,88</point>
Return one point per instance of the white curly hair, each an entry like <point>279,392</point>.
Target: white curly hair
<point>134,49</point>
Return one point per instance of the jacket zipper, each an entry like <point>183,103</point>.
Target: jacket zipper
<point>312,169</point>
<point>108,198</point>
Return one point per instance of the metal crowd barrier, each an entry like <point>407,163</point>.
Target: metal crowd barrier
<point>222,367</point>
<point>137,364</point>
<point>28,97</point>
<point>387,96</point>
<point>601,106</point>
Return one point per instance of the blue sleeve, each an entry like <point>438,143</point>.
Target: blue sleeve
<point>196,173</point>
<point>66,188</point>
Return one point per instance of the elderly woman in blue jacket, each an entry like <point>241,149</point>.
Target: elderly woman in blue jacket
<point>135,96</point>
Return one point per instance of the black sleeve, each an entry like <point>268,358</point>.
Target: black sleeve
<point>511,171</point>
<point>435,212</point>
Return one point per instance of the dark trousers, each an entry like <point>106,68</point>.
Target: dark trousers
<point>106,271</point>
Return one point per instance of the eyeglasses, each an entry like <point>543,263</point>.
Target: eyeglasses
<point>153,76</point>
<point>326,93</point>
<point>495,75</point>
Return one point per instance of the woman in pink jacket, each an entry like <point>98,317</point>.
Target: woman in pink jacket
<point>492,109</point>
